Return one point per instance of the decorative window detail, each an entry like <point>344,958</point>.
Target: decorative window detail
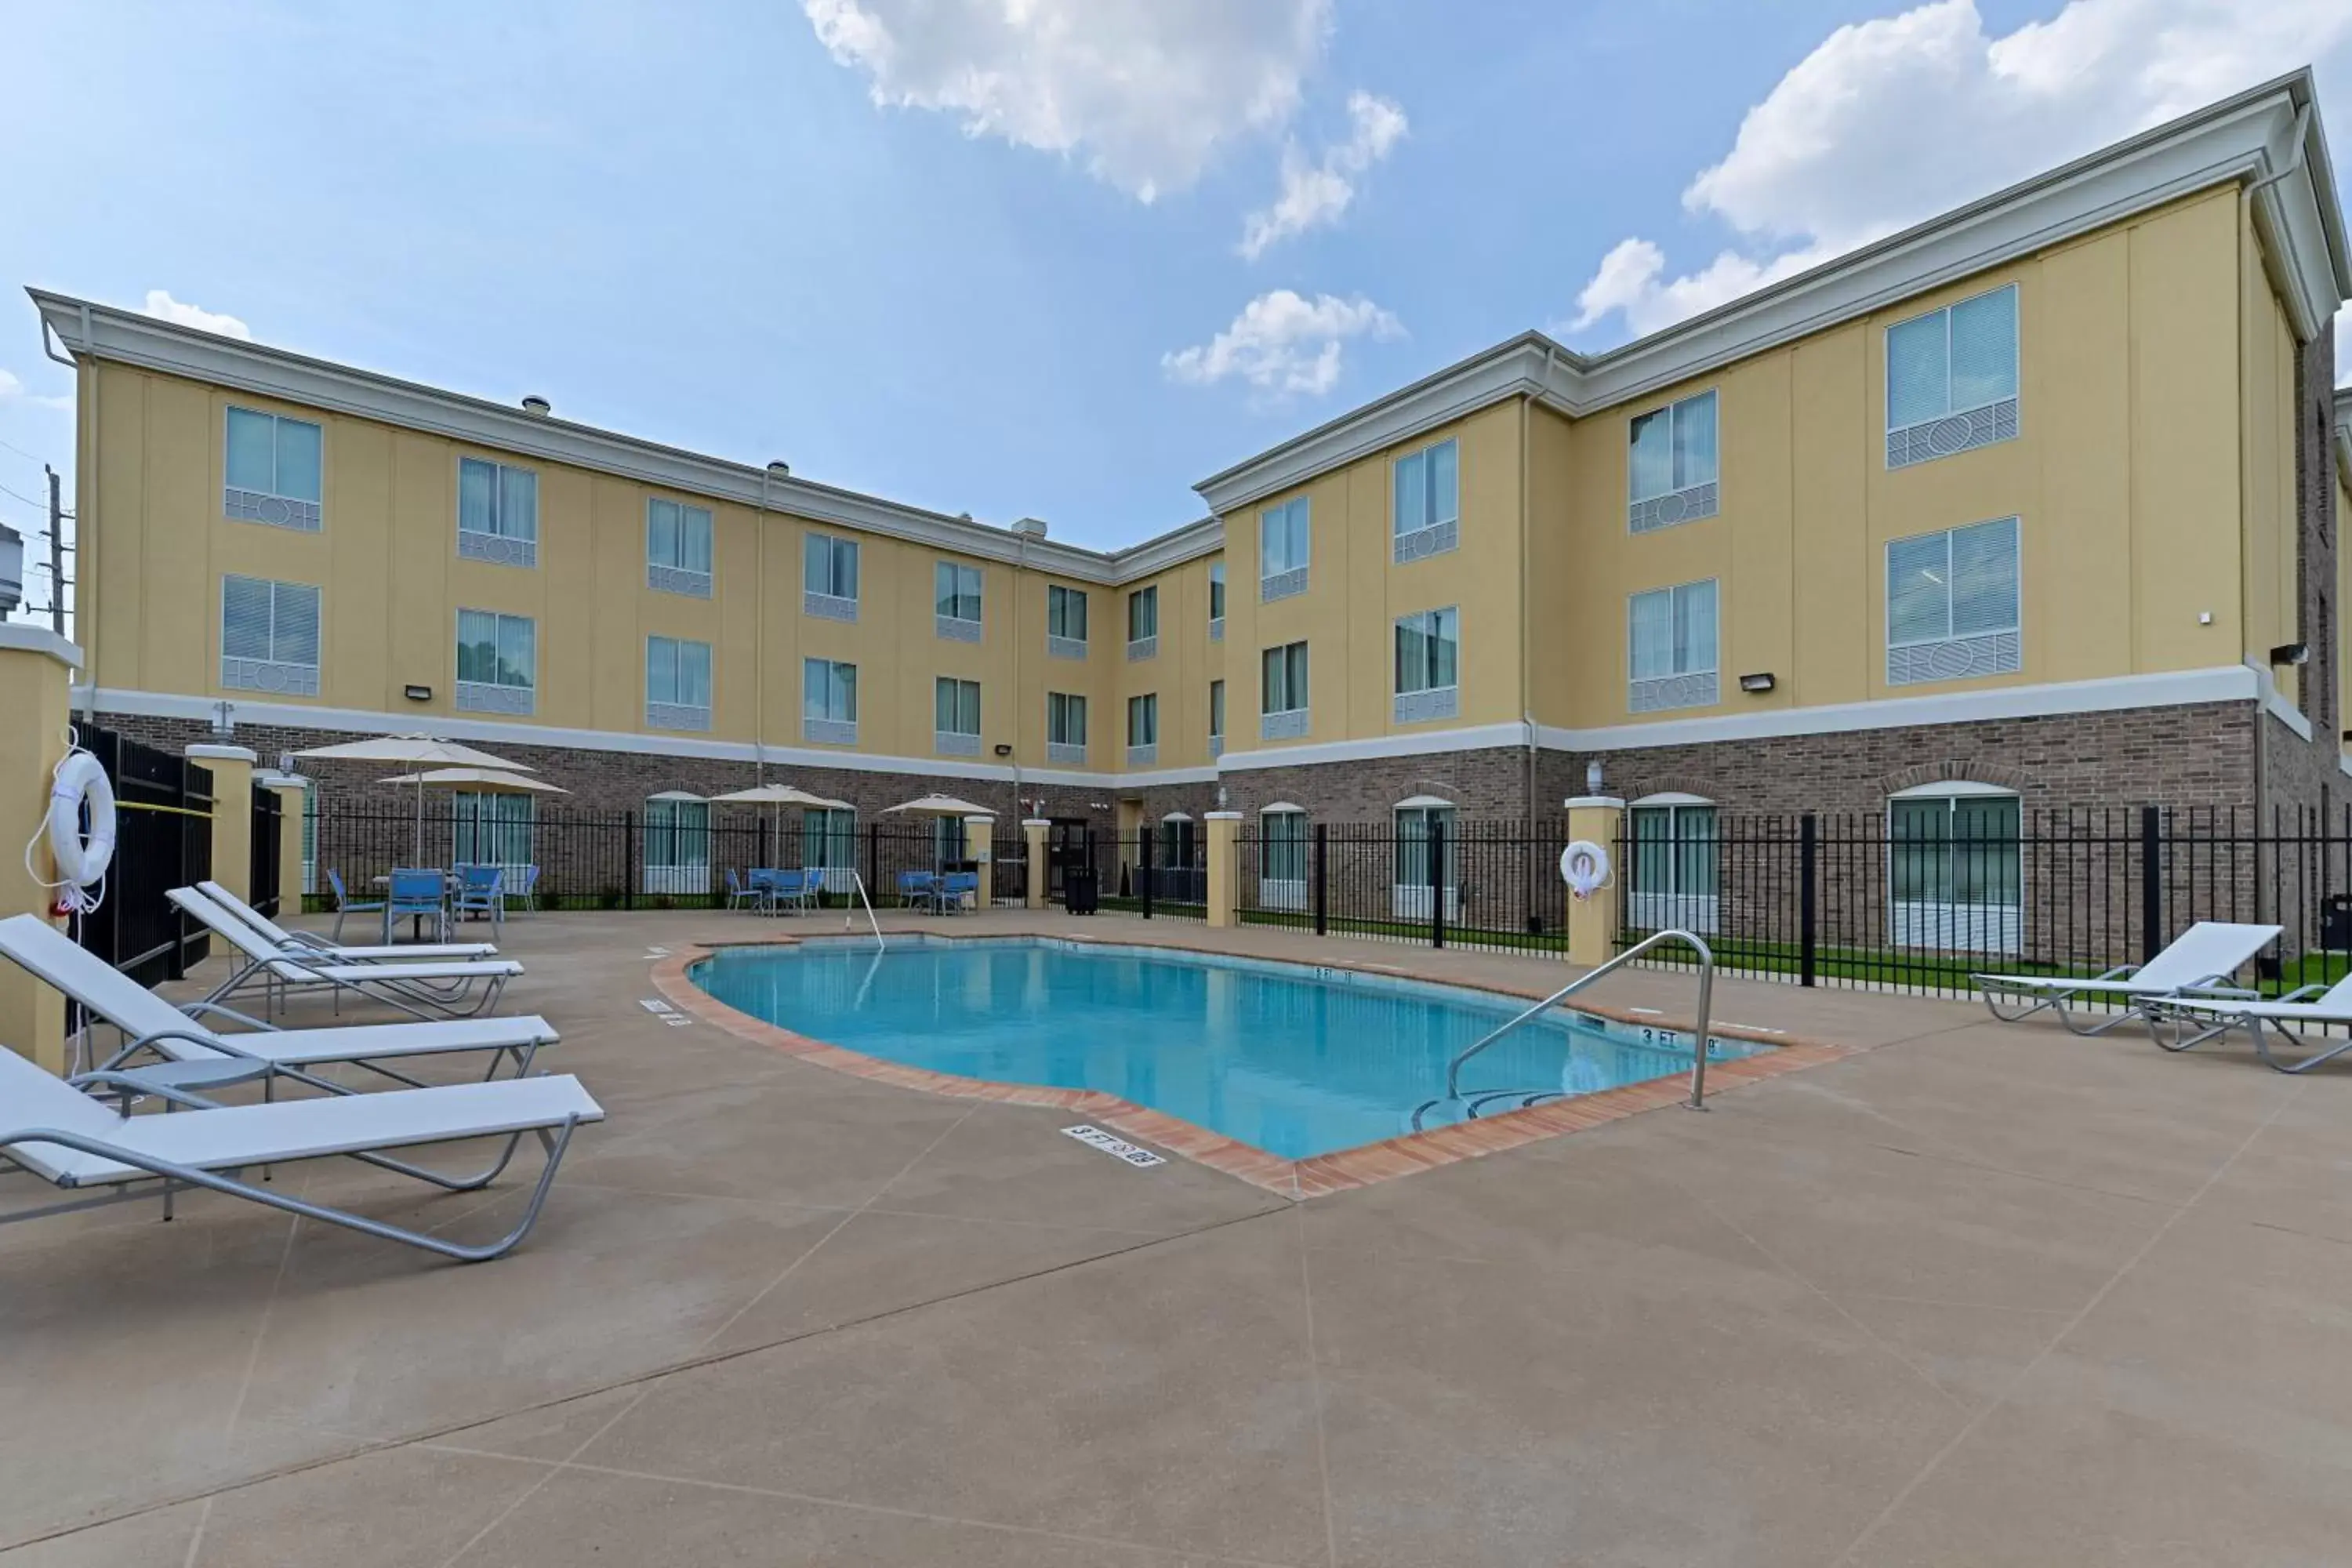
<point>269,636</point>
<point>1066,622</point>
<point>829,701</point>
<point>829,577</point>
<point>1956,869</point>
<point>1427,501</point>
<point>1216,601</point>
<point>1282,843</point>
<point>1428,654</point>
<point>1671,468</point>
<point>1143,730</point>
<point>1281,550</point>
<point>1282,693</point>
<point>272,470</point>
<point>1066,727</point>
<point>497,512</point>
<point>955,717</point>
<point>955,614</point>
<point>1952,604</point>
<point>677,547</point>
<point>497,663</point>
<point>1143,624</point>
<point>1671,882</point>
<point>678,845</point>
<point>1951,379</point>
<point>1216,717</point>
<point>1418,821</point>
<point>1672,652</point>
<point>677,684</point>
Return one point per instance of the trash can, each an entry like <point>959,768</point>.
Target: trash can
<point>1081,894</point>
<point>2336,923</point>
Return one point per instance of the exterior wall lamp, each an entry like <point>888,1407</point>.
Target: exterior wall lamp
<point>2291,653</point>
<point>1762,680</point>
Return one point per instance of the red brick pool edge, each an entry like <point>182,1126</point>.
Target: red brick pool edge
<point>1337,1172</point>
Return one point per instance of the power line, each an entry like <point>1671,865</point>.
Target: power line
<point>22,453</point>
<point>29,500</point>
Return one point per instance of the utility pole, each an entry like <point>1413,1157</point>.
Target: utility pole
<point>56,555</point>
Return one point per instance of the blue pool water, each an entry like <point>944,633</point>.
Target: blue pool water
<point>1294,1060</point>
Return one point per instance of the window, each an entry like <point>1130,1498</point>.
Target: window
<point>677,547</point>
<point>495,830</point>
<point>1282,857</point>
<point>1671,470</point>
<point>1066,727</point>
<point>1951,379</point>
<point>677,684</point>
<point>678,845</point>
<point>1282,693</point>
<point>1282,533</point>
<point>1419,862</point>
<point>829,845</point>
<point>955,606</point>
<point>1952,604</point>
<point>1143,623</point>
<point>1956,869</point>
<point>1672,657</point>
<point>955,717</point>
<point>1216,601</point>
<point>497,512</point>
<point>269,636</point>
<point>1427,501</point>
<point>498,662</point>
<point>829,701</point>
<point>1671,882</point>
<point>1216,717</point>
<point>1066,622</point>
<point>1428,645</point>
<point>829,577</point>
<point>272,470</point>
<point>1143,728</point>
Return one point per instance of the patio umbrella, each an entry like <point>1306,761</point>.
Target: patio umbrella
<point>940,805</point>
<point>416,752</point>
<point>780,796</point>
<point>480,781</point>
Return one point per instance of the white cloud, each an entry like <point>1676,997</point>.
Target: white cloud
<point>1892,121</point>
<point>1282,345</point>
<point>161,305</point>
<point>1144,90</point>
<point>1318,192</point>
<point>12,390</point>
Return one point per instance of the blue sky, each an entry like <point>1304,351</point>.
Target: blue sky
<point>904,244</point>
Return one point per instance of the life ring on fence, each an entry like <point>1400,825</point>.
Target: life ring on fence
<point>1584,867</point>
<point>81,781</point>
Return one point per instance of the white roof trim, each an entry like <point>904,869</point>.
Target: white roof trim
<point>1951,789</point>
<point>1421,802</point>
<point>2249,138</point>
<point>1674,797</point>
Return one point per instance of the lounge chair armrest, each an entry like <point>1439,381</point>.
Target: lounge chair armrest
<point>198,1009</point>
<point>132,1082</point>
<point>2300,991</point>
<point>205,1038</point>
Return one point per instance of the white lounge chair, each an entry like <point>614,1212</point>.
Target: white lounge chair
<point>2311,1007</point>
<point>149,1025</point>
<point>62,1136</point>
<point>2204,959</point>
<point>419,989</point>
<point>331,952</point>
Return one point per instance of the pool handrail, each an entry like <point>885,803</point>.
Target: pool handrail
<point>1697,1101</point>
<point>850,919</point>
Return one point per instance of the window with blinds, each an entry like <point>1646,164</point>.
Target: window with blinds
<point>269,636</point>
<point>1671,652</point>
<point>677,547</point>
<point>498,662</point>
<point>1671,468</point>
<point>1952,604</point>
<point>1951,379</point>
<point>497,512</point>
<point>272,470</point>
<point>677,684</point>
<point>829,577</point>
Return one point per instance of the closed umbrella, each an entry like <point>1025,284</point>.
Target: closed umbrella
<point>416,752</point>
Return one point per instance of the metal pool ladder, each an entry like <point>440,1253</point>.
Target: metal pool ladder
<point>1697,1101</point>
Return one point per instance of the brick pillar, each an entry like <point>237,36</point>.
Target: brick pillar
<point>37,669</point>
<point>1033,833</point>
<point>1225,864</point>
<point>980,847</point>
<point>232,770</point>
<point>1592,922</point>
<point>293,797</point>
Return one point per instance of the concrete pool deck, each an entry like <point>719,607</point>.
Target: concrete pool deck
<point>1967,1294</point>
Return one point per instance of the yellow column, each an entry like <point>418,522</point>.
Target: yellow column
<point>292,797</point>
<point>1225,864</point>
<point>1592,922</point>
<point>37,669</point>
<point>979,848</point>
<point>232,770</point>
<point>1033,833</point>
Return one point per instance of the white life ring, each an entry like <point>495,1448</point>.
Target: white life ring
<point>1584,867</point>
<point>80,780</point>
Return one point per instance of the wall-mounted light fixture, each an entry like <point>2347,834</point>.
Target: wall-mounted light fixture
<point>224,723</point>
<point>417,693</point>
<point>1004,750</point>
<point>2291,653</point>
<point>1592,777</point>
<point>1762,680</point>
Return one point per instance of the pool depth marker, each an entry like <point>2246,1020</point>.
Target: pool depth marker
<point>1117,1148</point>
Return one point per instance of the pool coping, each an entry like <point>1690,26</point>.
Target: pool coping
<point>1316,1176</point>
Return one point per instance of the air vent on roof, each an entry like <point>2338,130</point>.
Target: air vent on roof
<point>1030,527</point>
<point>538,405</point>
<point>780,469</point>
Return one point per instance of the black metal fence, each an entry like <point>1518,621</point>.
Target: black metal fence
<point>262,863</point>
<point>1465,884</point>
<point>164,806</point>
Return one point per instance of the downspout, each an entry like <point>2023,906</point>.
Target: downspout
<point>760,643</point>
<point>85,494</point>
<point>1527,532</point>
<point>1020,581</point>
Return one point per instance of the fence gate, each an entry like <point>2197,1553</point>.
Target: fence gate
<point>163,840</point>
<point>261,888</point>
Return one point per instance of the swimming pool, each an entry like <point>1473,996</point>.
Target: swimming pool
<point>1295,1060</point>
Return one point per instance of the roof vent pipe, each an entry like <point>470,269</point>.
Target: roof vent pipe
<point>537,407</point>
<point>1030,527</point>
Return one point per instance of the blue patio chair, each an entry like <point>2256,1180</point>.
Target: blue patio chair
<point>751,894</point>
<point>916,888</point>
<point>795,890</point>
<point>954,889</point>
<point>416,894</point>
<point>347,905</point>
<point>482,890</point>
<point>522,892</point>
